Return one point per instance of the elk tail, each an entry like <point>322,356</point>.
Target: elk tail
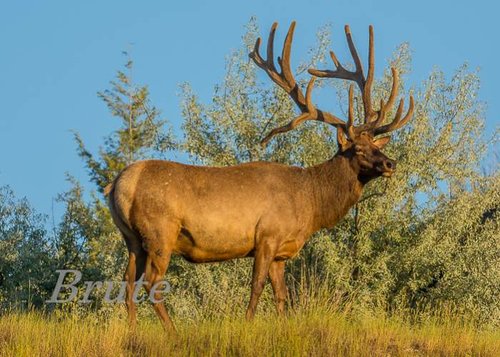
<point>109,188</point>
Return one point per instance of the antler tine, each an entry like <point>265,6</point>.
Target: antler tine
<point>381,115</point>
<point>352,48</point>
<point>283,129</point>
<point>394,90</point>
<point>365,85</point>
<point>284,60</point>
<point>367,90</point>
<point>350,117</point>
<point>386,107</point>
<point>397,122</point>
<point>270,47</point>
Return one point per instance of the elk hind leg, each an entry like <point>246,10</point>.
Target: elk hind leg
<point>159,246</point>
<point>133,272</point>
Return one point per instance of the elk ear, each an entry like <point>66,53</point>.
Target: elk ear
<point>380,143</point>
<point>342,140</point>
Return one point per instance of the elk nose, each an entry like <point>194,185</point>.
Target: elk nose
<point>389,165</point>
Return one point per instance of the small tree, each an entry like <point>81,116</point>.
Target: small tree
<point>25,264</point>
<point>141,134</point>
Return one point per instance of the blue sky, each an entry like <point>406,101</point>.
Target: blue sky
<point>55,56</point>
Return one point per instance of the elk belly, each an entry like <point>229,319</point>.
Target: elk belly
<point>205,247</point>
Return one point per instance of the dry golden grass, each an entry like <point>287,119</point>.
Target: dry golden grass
<point>313,333</point>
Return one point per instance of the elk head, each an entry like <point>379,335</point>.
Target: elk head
<point>358,143</point>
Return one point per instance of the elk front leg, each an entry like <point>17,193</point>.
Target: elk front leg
<point>277,276</point>
<point>263,259</point>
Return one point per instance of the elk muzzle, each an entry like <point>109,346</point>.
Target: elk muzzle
<point>388,167</point>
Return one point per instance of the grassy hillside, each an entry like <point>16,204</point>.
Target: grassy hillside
<point>318,333</point>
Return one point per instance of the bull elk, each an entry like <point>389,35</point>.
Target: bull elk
<point>263,210</point>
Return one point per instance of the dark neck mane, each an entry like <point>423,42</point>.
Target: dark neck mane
<point>336,188</point>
